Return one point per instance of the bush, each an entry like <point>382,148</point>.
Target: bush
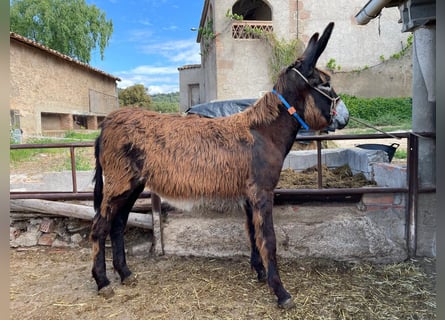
<point>379,111</point>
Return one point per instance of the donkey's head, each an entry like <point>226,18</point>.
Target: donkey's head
<point>306,88</point>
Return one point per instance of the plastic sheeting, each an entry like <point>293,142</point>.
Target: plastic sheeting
<point>220,108</point>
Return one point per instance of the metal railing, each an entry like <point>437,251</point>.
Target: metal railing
<point>281,195</point>
<point>412,169</point>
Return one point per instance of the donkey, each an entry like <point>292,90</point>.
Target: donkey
<point>189,160</point>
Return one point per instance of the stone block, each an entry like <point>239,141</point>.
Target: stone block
<point>13,233</point>
<point>47,239</point>
<point>390,175</point>
<point>27,239</point>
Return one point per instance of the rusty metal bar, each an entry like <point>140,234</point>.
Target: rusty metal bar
<point>47,195</point>
<point>319,166</point>
<point>51,145</point>
<point>413,190</point>
<point>366,136</point>
<point>73,169</point>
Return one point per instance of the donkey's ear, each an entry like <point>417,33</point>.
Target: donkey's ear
<point>311,45</point>
<point>315,48</point>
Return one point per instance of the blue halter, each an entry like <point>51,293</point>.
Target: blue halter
<point>291,110</point>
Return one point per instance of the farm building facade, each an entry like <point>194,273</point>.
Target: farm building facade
<point>52,93</point>
<point>235,62</point>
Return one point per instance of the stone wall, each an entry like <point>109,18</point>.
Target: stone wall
<point>42,82</point>
<point>391,78</point>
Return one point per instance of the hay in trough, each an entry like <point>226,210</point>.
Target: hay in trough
<point>341,177</point>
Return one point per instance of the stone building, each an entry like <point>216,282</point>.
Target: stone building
<point>51,93</point>
<point>235,63</point>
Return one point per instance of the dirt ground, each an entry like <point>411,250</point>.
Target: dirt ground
<point>56,283</point>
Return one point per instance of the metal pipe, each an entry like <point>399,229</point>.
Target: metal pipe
<point>413,190</point>
<point>370,11</point>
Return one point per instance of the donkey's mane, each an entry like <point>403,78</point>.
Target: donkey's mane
<point>262,112</point>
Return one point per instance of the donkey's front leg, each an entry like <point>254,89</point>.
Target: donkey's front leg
<point>266,243</point>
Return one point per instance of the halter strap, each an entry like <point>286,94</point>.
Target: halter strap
<point>334,101</point>
<point>292,111</point>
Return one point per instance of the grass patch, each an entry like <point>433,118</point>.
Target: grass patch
<point>81,136</point>
<point>84,160</point>
<point>19,155</point>
<point>400,154</point>
<point>84,156</point>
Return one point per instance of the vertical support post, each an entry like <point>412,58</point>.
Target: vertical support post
<point>158,225</point>
<point>73,169</point>
<point>413,191</point>
<point>319,165</point>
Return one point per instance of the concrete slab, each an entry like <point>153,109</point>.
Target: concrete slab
<point>341,232</point>
<point>359,160</point>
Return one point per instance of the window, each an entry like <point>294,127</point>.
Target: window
<point>257,19</point>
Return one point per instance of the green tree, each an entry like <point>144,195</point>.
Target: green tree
<point>165,102</point>
<point>71,27</point>
<point>135,96</point>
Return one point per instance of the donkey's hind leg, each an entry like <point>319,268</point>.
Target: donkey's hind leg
<point>122,205</point>
<point>99,232</point>
<point>255,257</point>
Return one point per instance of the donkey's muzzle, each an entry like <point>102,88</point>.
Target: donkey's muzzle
<point>340,118</point>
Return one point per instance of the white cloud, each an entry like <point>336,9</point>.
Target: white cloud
<point>162,89</point>
<point>145,69</point>
<point>182,51</point>
<point>139,35</point>
<point>170,28</point>
<point>156,82</point>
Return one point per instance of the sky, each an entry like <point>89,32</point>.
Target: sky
<point>151,39</point>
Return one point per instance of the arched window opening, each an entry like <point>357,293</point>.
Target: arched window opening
<point>252,10</point>
<point>257,19</point>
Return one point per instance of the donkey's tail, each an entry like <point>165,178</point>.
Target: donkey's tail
<point>98,180</point>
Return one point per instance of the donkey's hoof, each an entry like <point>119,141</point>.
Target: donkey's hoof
<point>106,292</point>
<point>262,276</point>
<point>286,304</point>
<point>130,281</point>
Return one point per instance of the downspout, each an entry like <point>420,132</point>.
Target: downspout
<point>370,11</point>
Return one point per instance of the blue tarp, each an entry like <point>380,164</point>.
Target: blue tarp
<point>221,108</point>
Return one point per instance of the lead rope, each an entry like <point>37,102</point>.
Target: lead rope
<point>372,127</point>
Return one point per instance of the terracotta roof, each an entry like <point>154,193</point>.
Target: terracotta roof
<point>32,43</point>
<point>189,66</point>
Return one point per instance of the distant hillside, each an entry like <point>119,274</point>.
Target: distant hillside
<point>165,102</point>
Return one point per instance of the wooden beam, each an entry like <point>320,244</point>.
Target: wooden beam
<point>73,210</point>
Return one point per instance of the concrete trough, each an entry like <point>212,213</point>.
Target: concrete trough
<point>372,229</point>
